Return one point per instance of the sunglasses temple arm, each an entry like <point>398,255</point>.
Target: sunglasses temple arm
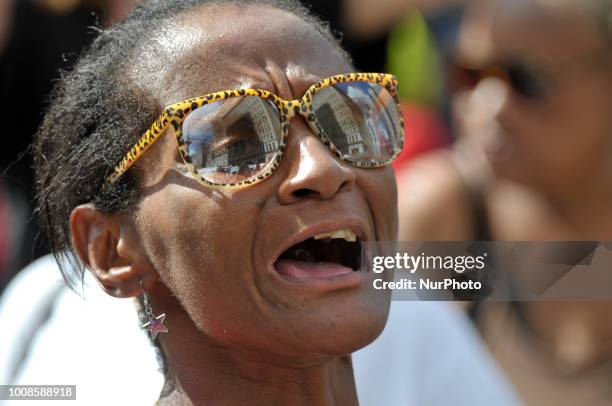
<point>144,143</point>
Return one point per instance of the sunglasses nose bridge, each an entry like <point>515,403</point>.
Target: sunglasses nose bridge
<point>289,109</point>
<point>292,108</point>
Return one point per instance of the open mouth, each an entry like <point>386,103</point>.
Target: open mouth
<point>324,255</point>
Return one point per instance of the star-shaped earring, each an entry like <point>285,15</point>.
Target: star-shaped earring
<point>155,325</point>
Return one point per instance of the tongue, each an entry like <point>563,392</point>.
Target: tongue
<point>310,270</point>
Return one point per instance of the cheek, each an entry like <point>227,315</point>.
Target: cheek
<point>196,242</point>
<point>581,106</point>
<point>591,112</point>
<point>555,131</point>
<point>578,125</point>
<point>380,191</point>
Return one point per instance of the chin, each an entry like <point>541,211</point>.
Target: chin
<point>359,337</point>
<point>346,328</point>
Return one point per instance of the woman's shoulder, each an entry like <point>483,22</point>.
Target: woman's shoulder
<point>433,200</point>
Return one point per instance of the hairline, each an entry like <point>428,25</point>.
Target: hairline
<point>166,60</point>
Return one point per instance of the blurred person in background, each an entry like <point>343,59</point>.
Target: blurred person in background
<point>37,39</point>
<point>533,162</point>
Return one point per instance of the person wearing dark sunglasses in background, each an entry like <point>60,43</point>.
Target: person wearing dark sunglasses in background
<point>532,82</point>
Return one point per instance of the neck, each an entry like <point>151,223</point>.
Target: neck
<point>206,372</point>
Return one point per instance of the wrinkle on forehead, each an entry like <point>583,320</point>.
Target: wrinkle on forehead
<point>220,47</point>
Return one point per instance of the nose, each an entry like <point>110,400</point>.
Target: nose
<point>489,103</point>
<point>493,95</point>
<point>313,171</point>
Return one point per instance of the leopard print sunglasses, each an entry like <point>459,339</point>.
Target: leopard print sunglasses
<point>236,138</point>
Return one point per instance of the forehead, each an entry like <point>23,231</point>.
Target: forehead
<point>214,48</point>
<point>552,30</point>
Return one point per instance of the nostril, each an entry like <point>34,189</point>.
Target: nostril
<point>303,192</point>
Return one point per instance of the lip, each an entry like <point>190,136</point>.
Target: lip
<point>353,279</point>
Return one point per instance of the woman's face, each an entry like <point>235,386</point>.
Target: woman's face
<point>565,135</point>
<point>217,252</point>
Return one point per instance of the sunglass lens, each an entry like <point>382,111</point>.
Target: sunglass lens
<point>362,121</point>
<point>232,140</point>
<point>527,82</point>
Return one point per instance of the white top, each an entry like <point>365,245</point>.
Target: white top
<point>428,353</point>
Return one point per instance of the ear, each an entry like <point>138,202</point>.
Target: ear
<point>107,243</point>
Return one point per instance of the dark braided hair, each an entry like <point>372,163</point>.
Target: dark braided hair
<point>97,113</point>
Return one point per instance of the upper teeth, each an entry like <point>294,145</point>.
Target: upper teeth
<point>345,233</point>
